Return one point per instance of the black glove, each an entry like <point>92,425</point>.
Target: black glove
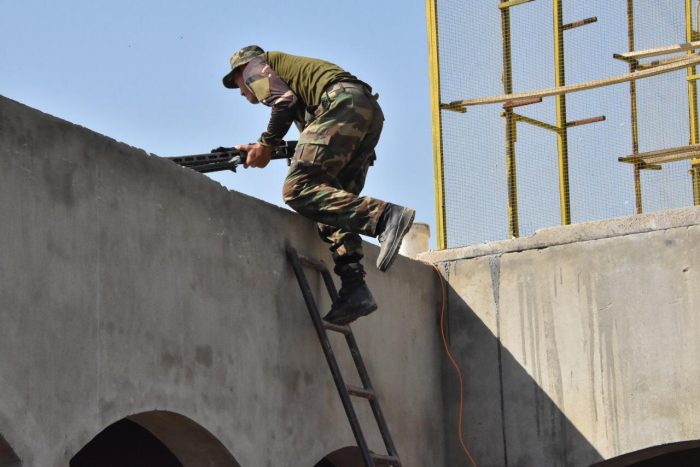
<point>222,149</point>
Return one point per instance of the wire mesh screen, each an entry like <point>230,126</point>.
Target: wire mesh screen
<point>599,151</point>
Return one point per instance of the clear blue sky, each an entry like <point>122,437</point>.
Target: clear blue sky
<point>148,73</point>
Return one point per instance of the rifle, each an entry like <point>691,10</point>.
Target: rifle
<point>229,159</point>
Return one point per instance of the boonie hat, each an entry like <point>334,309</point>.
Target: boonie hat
<point>241,57</point>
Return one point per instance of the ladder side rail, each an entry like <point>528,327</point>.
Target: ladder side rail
<point>330,286</point>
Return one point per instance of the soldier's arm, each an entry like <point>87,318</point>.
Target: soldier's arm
<point>272,91</point>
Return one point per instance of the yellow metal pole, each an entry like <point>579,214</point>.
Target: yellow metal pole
<point>512,3</point>
<point>438,163</point>
<point>690,35</point>
<point>511,175</point>
<point>562,139</point>
<point>633,109</point>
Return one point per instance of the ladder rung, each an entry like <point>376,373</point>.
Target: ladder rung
<point>361,392</point>
<point>337,328</point>
<point>312,263</point>
<point>385,460</point>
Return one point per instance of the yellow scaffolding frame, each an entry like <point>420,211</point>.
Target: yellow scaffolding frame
<point>646,160</point>
<point>511,118</point>
<point>633,110</point>
<point>512,100</point>
<point>562,134</point>
<point>436,117</point>
<point>562,125</point>
<point>510,122</point>
<point>690,36</point>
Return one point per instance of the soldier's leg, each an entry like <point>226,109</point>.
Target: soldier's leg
<point>326,147</point>
<point>324,181</point>
<point>343,160</point>
<point>395,220</point>
<point>312,189</point>
<point>322,198</point>
<point>355,299</point>
<point>346,246</point>
<point>329,148</point>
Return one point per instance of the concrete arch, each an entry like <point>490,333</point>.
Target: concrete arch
<point>8,458</point>
<point>684,453</point>
<point>349,456</point>
<point>154,439</point>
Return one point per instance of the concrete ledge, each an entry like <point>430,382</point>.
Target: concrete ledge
<point>564,235</point>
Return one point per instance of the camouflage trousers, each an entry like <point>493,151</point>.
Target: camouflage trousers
<point>330,165</point>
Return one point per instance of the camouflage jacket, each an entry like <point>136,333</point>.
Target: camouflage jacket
<point>291,88</point>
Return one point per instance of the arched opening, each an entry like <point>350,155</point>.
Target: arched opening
<point>125,443</point>
<point>154,439</point>
<point>683,454</point>
<point>8,458</point>
<point>350,456</point>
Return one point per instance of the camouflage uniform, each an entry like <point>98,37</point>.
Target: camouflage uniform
<point>330,165</point>
<point>335,149</point>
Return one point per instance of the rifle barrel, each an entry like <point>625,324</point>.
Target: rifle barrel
<point>199,159</point>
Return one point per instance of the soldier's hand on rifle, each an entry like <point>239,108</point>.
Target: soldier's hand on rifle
<point>257,155</point>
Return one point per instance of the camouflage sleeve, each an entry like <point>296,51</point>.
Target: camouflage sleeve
<point>272,91</point>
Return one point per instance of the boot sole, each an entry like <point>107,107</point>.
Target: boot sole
<point>405,224</point>
<point>350,318</point>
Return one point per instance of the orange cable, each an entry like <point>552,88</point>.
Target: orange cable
<point>454,363</point>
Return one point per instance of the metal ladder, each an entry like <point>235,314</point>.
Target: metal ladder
<point>345,391</point>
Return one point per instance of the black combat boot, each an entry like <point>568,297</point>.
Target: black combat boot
<point>393,225</point>
<point>354,298</point>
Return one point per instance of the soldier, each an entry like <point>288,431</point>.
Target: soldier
<point>340,123</point>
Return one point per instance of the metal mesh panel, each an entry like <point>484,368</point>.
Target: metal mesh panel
<point>472,44</point>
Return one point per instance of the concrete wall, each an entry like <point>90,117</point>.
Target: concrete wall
<point>578,344</point>
<point>128,284</point>
<point>133,289</point>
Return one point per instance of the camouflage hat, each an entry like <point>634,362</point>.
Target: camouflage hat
<point>241,57</point>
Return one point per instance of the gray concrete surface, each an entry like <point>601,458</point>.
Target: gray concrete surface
<point>129,285</point>
<point>579,343</point>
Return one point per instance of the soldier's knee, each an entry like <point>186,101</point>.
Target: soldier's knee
<point>289,192</point>
<point>292,193</point>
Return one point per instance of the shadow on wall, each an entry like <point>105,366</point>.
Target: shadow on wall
<point>683,454</point>
<point>153,439</point>
<point>508,419</point>
<point>8,458</point>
